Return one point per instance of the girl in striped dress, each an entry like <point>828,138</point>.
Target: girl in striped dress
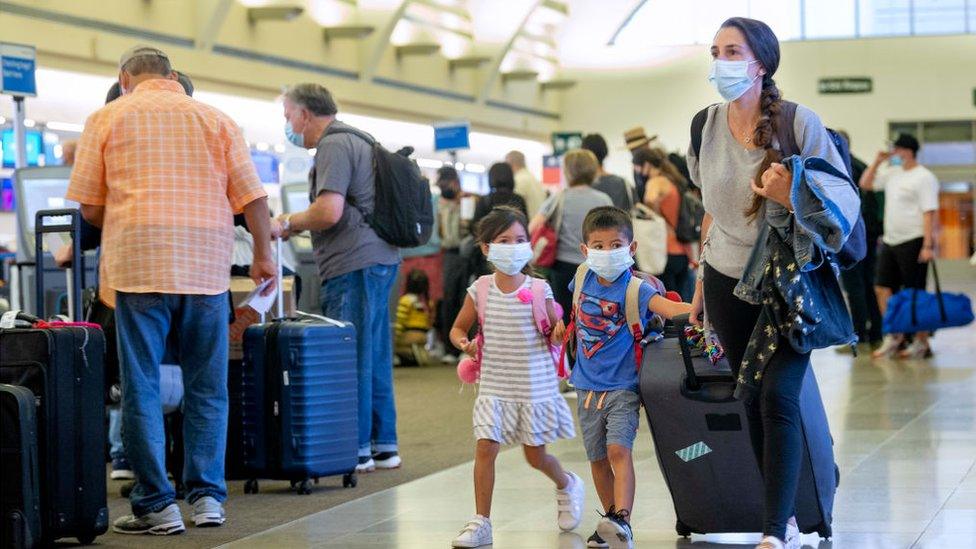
<point>518,396</point>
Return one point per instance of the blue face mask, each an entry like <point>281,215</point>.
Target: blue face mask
<point>895,161</point>
<point>510,258</point>
<point>609,264</point>
<point>295,139</point>
<point>731,78</point>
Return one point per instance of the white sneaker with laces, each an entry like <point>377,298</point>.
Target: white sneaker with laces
<point>888,348</point>
<point>476,532</point>
<point>165,522</point>
<point>770,542</point>
<point>569,503</point>
<point>916,351</point>
<point>207,511</point>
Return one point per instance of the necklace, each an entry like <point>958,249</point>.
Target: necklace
<point>747,136</point>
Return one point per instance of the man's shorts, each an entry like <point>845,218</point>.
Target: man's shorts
<point>898,266</point>
<point>607,417</point>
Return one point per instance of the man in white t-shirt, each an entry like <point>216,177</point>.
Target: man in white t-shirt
<point>911,212</point>
<point>526,185</point>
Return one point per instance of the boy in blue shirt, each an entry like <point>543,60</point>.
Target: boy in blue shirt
<point>606,370</point>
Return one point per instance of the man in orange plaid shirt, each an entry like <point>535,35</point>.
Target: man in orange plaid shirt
<point>163,175</point>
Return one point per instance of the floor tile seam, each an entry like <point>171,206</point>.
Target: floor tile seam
<point>357,500</point>
<point>942,507</point>
<point>893,435</point>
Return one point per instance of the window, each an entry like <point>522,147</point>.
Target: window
<point>885,17</point>
<point>944,143</point>
<point>940,16</point>
<point>828,19</point>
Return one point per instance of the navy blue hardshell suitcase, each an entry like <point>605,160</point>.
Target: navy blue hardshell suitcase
<point>701,437</point>
<point>299,402</point>
<point>20,502</point>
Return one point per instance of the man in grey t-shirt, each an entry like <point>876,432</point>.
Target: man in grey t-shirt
<point>357,267</point>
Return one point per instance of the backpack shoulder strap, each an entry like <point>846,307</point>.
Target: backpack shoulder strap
<point>481,288</point>
<point>632,312</point>
<point>333,130</point>
<point>785,130</point>
<point>578,282</point>
<point>540,310</point>
<point>697,127</point>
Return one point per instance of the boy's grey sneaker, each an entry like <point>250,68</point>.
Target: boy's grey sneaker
<point>207,511</point>
<point>615,529</point>
<point>596,541</point>
<point>167,522</point>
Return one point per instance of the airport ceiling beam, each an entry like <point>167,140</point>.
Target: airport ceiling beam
<point>380,41</point>
<point>210,17</point>
<point>496,64</point>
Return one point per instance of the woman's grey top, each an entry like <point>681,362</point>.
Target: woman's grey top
<point>576,203</point>
<point>724,172</point>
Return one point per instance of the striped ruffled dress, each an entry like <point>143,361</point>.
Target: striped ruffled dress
<point>518,394</point>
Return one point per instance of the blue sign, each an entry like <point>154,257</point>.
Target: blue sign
<point>35,147</point>
<point>451,136</point>
<point>18,63</point>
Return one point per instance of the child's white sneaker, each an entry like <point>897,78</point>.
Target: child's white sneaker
<point>771,542</point>
<point>569,503</point>
<point>476,532</point>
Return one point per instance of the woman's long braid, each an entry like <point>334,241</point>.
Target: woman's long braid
<point>770,101</point>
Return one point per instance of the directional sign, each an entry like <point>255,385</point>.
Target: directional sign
<point>18,63</point>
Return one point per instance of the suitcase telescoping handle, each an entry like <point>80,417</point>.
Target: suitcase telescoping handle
<point>279,280</point>
<point>75,273</point>
<point>691,379</point>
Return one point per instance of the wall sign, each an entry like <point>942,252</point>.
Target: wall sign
<point>452,136</point>
<point>847,84</point>
<point>17,62</point>
<point>565,141</point>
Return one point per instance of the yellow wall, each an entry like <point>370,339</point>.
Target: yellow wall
<point>929,78</point>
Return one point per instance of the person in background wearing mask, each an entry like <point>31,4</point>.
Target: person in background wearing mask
<point>859,279</point>
<point>357,267</point>
<point>526,185</point>
<point>165,265</point>
<point>744,185</point>
<point>910,215</point>
<point>614,186</point>
<point>663,195</point>
<point>455,270</point>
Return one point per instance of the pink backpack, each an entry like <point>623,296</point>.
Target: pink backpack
<point>540,313</point>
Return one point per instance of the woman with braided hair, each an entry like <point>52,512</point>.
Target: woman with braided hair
<point>736,163</point>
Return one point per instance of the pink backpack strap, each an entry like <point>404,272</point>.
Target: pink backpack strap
<point>540,313</point>
<point>481,288</point>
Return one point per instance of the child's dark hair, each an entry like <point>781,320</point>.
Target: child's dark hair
<point>608,217</point>
<point>418,283</point>
<point>498,221</point>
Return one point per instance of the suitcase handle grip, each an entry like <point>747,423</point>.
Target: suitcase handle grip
<point>691,380</point>
<point>75,273</point>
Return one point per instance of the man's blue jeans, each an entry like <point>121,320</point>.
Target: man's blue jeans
<point>116,449</point>
<point>363,298</point>
<point>143,322</point>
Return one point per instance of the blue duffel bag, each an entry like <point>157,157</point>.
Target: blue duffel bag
<point>912,310</point>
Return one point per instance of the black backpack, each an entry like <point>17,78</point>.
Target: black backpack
<point>403,209</point>
<point>856,247</point>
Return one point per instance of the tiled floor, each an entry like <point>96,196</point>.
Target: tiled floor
<point>905,436</point>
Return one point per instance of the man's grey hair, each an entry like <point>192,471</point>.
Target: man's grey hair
<point>516,159</point>
<point>317,99</point>
<point>148,64</point>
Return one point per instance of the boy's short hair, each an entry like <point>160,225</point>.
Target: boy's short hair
<point>608,217</point>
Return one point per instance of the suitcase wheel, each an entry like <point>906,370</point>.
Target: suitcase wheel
<point>304,487</point>
<point>86,539</point>
<point>682,529</point>
<point>251,486</point>
<point>349,480</point>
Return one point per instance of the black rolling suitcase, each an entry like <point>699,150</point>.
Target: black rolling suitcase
<point>701,436</point>
<point>62,364</point>
<point>299,396</point>
<point>20,504</point>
